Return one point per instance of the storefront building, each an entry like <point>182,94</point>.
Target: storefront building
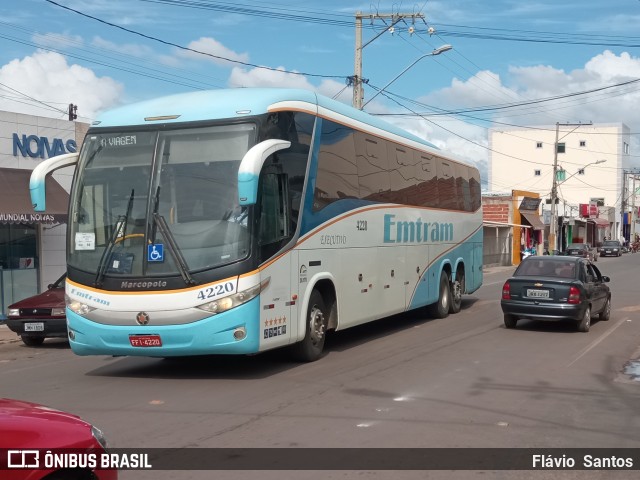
<point>512,227</point>
<point>32,245</point>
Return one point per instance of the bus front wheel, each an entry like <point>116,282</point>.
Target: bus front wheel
<point>310,348</point>
<point>440,309</point>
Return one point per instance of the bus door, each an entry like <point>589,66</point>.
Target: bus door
<point>275,226</point>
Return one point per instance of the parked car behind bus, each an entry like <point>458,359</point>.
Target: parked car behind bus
<point>40,316</point>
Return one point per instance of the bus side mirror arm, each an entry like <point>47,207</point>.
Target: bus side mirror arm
<point>250,167</point>
<point>37,186</point>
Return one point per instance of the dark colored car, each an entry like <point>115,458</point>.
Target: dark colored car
<point>582,250</point>
<point>41,316</point>
<point>556,288</point>
<point>611,248</point>
<point>29,430</point>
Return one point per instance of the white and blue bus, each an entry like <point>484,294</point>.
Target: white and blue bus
<point>238,221</point>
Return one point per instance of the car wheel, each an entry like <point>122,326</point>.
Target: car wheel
<point>31,341</point>
<point>605,314</point>
<point>310,348</point>
<point>457,289</point>
<point>440,309</point>
<point>585,323</point>
<point>510,321</point>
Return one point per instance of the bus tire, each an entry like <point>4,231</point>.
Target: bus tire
<point>457,289</point>
<point>440,309</point>
<point>310,348</point>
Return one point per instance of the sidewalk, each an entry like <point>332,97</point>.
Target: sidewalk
<point>488,270</point>
<point>7,336</point>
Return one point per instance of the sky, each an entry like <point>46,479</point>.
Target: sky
<point>512,63</point>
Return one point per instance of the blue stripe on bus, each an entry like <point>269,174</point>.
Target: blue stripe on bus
<point>427,292</point>
<point>213,335</point>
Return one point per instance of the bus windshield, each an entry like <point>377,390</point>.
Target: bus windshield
<point>187,178</point>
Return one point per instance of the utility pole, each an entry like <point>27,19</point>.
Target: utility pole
<point>357,80</point>
<point>554,195</point>
<point>358,91</point>
<point>623,203</point>
<point>553,226</point>
<point>633,212</point>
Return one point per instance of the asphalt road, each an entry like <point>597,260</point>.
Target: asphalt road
<point>406,381</point>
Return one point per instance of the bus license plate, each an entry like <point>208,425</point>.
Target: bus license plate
<point>145,340</point>
<point>537,293</point>
<point>34,327</point>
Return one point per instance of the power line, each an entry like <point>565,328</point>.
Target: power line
<point>527,102</point>
<point>33,99</point>
<point>483,33</point>
<point>182,47</point>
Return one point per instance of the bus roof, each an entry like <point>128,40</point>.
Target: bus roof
<point>234,103</point>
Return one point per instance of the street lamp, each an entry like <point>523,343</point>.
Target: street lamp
<point>437,51</point>
<point>554,195</point>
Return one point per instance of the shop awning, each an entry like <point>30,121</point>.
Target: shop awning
<point>534,219</point>
<point>15,201</point>
<point>489,223</point>
<point>600,222</point>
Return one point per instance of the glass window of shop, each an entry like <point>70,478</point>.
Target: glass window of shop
<point>18,263</point>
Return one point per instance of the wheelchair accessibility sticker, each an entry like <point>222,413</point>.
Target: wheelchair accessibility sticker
<point>155,252</point>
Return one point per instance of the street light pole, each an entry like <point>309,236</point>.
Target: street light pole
<point>437,51</point>
<point>554,195</point>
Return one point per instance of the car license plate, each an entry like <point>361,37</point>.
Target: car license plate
<point>537,293</point>
<point>145,340</point>
<point>34,327</point>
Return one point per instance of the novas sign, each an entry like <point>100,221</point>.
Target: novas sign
<point>34,146</point>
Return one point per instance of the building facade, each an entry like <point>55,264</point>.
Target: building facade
<point>512,227</point>
<point>590,161</point>
<point>32,246</point>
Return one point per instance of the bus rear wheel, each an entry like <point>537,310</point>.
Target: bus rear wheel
<point>457,289</point>
<point>440,309</point>
<point>310,348</point>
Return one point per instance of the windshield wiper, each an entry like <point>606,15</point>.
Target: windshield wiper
<point>119,230</point>
<point>160,222</point>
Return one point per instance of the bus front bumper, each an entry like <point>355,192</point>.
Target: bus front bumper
<point>210,336</point>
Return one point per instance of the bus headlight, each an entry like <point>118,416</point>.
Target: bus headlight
<point>227,303</point>
<point>78,307</point>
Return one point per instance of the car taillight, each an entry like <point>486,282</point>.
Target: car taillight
<point>506,291</point>
<point>574,295</point>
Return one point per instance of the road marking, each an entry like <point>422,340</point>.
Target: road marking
<point>597,341</point>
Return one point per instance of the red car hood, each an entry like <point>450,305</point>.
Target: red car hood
<point>29,425</point>
<point>52,298</point>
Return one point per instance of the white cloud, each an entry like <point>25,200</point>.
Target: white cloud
<point>134,49</point>
<point>536,82</point>
<point>58,40</point>
<point>47,77</point>
<point>213,47</point>
<point>262,77</point>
